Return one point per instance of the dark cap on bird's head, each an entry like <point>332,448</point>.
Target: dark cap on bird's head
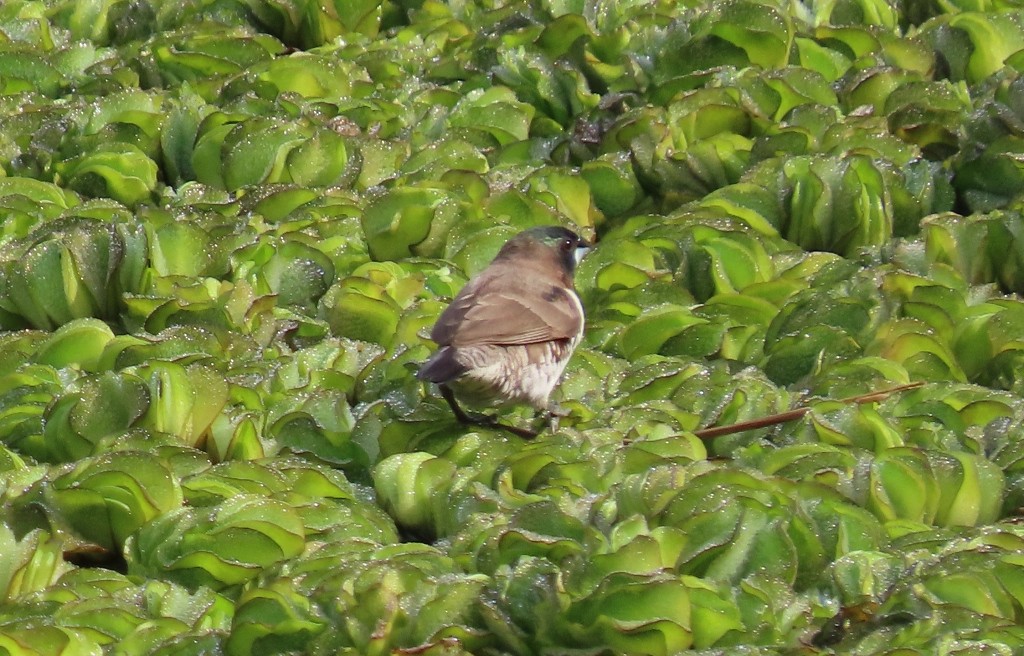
<point>568,245</point>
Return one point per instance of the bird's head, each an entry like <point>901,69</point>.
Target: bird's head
<point>568,247</point>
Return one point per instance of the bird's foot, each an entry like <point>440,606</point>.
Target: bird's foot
<point>490,421</point>
<point>554,414</point>
<point>556,410</point>
<point>478,419</point>
<point>526,433</point>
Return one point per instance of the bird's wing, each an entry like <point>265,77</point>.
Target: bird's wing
<point>506,307</point>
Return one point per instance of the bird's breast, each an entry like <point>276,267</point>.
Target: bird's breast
<point>514,374</point>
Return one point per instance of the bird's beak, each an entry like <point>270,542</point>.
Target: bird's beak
<point>581,250</point>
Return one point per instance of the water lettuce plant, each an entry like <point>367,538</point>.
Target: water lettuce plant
<point>227,227</point>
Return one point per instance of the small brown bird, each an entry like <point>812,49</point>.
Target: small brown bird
<point>507,336</point>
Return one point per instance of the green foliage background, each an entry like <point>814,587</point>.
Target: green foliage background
<point>225,226</point>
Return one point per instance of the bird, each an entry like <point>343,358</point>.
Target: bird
<point>507,336</point>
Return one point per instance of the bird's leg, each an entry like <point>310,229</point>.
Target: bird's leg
<point>515,430</point>
<point>464,417</point>
<point>461,415</point>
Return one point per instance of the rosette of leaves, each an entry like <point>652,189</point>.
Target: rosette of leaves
<point>222,307</point>
<point>732,34</point>
<point>829,321</point>
<point>912,344</point>
<point>265,476</point>
<point>73,268</point>
<point>725,261</point>
<point>322,22</point>
<point>118,170</point>
<point>939,481</point>
<point>1005,452</point>
<point>564,197</point>
<point>834,204</point>
<point>184,398</point>
<point>32,138</point>
<point>671,613</point>
<point>334,362</point>
<point>30,563</point>
<point>558,90</point>
<point>379,300</point>
<point>992,179</point>
<point>853,426</point>
<point>709,143</point>
<point>36,637</point>
<point>658,396</point>
<point>317,422</point>
<point>92,414</point>
<point>975,44</point>
<point>103,23</point>
<point>273,618</point>
<point>934,487</point>
<point>417,219</point>
<point>28,204</point>
<point>134,118</point>
<point>294,269</point>
<point>310,400</point>
<point>982,248</point>
<point>712,255</point>
<point>566,467</point>
<point>310,75</point>
<point>929,115</point>
<point>858,12</point>
<point>621,280</point>
<point>105,499</point>
<point>531,604</point>
<point>644,134</point>
<point>756,522</point>
<point>26,394</point>
<point>985,345</point>
<point>952,418</point>
<point>330,507</point>
<point>434,161</point>
<point>22,70</point>
<point>986,174</point>
<point>221,546</point>
<point>613,184</point>
<point>970,582</point>
<point>413,488</point>
<point>204,57</point>
<point>186,344</point>
<point>942,306</point>
<point>354,596</point>
<point>80,343</point>
<point>232,152</point>
<point>495,111</point>
<point>155,617</point>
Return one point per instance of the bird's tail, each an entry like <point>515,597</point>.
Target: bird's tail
<point>441,367</point>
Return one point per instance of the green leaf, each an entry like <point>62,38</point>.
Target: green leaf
<point>410,485</point>
<point>120,171</point>
<point>79,343</point>
<point>108,498</point>
<point>400,220</point>
<point>29,564</point>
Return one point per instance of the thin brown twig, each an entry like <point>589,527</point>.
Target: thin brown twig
<point>796,413</point>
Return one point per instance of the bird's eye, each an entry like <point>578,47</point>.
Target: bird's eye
<point>567,245</point>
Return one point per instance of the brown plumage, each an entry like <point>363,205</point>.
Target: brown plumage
<point>509,333</point>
